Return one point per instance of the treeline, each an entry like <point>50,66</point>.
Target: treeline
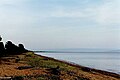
<point>10,48</point>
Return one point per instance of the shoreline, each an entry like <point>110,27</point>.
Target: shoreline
<point>87,69</point>
<point>32,66</point>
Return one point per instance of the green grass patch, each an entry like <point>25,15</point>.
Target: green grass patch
<point>34,62</point>
<point>43,63</point>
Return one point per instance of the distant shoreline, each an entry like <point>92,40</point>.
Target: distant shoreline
<point>72,52</point>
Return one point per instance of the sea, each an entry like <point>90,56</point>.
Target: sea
<point>107,61</point>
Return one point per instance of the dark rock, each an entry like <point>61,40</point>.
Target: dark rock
<point>86,69</point>
<point>55,71</point>
<point>24,67</point>
<point>17,78</point>
<point>17,60</point>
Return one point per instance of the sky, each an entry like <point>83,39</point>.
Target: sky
<point>60,24</point>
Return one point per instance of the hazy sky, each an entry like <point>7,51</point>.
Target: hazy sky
<point>58,24</point>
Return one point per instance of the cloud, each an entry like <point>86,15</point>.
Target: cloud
<point>64,13</point>
<point>108,13</point>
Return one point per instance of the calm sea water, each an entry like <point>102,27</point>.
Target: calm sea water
<point>103,61</point>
